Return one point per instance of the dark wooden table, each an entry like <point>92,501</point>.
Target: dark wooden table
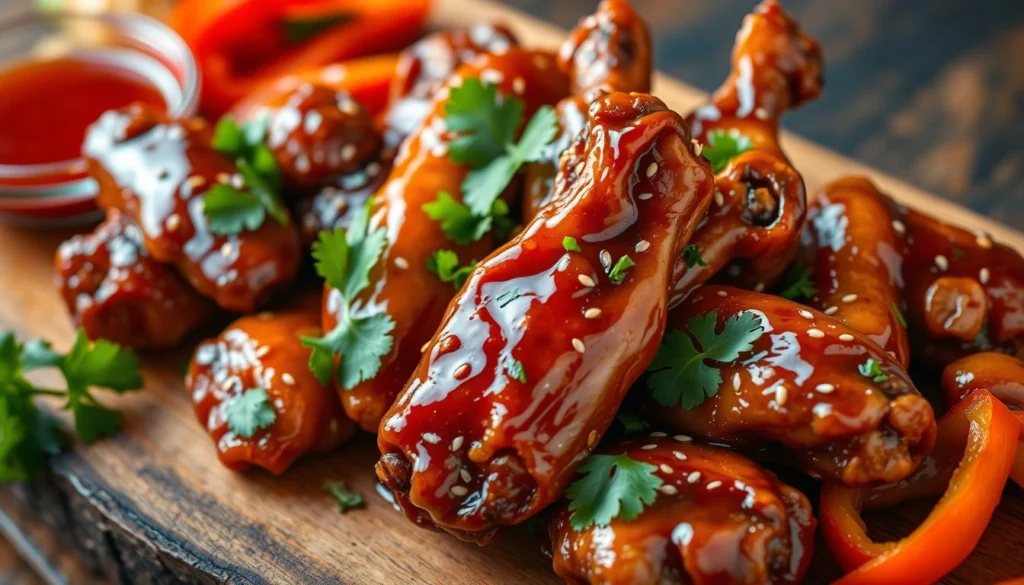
<point>929,91</point>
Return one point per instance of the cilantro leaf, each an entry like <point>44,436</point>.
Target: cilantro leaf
<point>249,412</point>
<point>798,284</point>
<point>300,30</point>
<point>483,186</point>
<point>692,256</point>
<point>229,211</point>
<point>612,486</point>
<point>93,422</point>
<point>679,374</point>
<point>330,256</point>
<point>487,122</point>
<point>722,146</point>
<point>873,370</point>
<point>539,132</point>
<point>457,221</point>
<point>445,264</point>
<point>570,244</point>
<point>632,423</point>
<point>261,188</point>
<point>101,363</point>
<point>344,498</point>
<point>618,272</point>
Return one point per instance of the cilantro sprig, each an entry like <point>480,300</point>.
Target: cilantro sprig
<point>680,374</point>
<point>798,284</point>
<point>249,412</point>
<point>359,340</point>
<point>570,244</point>
<point>445,264</point>
<point>612,486</point>
<point>722,146</point>
<point>873,370</point>
<point>617,273</point>
<point>486,124</point>
<point>632,423</point>
<point>27,434</point>
<point>344,498</point>
<point>691,254</point>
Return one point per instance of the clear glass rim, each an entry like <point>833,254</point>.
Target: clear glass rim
<point>142,29</point>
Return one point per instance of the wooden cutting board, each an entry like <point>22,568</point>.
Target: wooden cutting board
<point>153,505</point>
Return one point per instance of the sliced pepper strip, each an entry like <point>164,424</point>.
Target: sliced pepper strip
<point>1017,471</point>
<point>985,432</point>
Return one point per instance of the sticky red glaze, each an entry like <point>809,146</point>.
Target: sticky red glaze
<point>733,523</point>
<point>581,339</point>
<point>1000,374</point>
<point>756,221</point>
<point>264,351</point>
<point>400,283</point>
<point>856,255</point>
<point>425,66</point>
<point>799,390</point>
<point>608,51</point>
<point>116,291</point>
<point>336,204</point>
<point>156,171</point>
<point>964,292</point>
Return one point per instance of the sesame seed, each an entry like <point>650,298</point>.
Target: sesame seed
<point>237,181</point>
<point>577,344</point>
<point>693,477</point>
<point>761,113</point>
<point>759,287</point>
<point>644,196</point>
<point>465,475</point>
<point>288,379</point>
<point>815,333</point>
<point>719,198</point>
<point>458,490</point>
<point>173,222</point>
<point>348,152</point>
<point>983,241</point>
<point>806,314</point>
<point>519,85</point>
<point>941,262</point>
<point>846,337</point>
<point>658,434</point>
<point>266,315</point>
<point>899,227</point>
<point>606,258</point>
<point>642,246</point>
<point>679,455</point>
<point>401,263</point>
<point>849,298</point>
<point>227,249</point>
<point>424,347</point>
<point>781,395</point>
<point>736,381</point>
<point>432,438</point>
<point>196,181</point>
<point>698,146</point>
<point>682,438</point>
<point>668,490</point>
<point>665,468</point>
<point>223,178</point>
<point>648,447</point>
<point>825,388</point>
<point>983,275</point>
<point>586,280</point>
<point>457,443</point>
<point>714,485</point>
<point>592,313</point>
<point>651,169</point>
<point>592,438</point>
<point>832,310</point>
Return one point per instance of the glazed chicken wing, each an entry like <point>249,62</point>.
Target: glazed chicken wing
<point>537,351</point>
<point>116,291</point>
<point>156,171</point>
<point>1000,374</point>
<point>760,203</point>
<point>718,518</point>
<point>808,385</point>
<point>262,353</point>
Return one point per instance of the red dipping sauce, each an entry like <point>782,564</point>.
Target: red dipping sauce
<point>58,74</point>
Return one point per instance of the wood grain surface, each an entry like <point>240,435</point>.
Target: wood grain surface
<point>153,505</point>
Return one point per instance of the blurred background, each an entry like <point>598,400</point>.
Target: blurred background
<point>930,91</point>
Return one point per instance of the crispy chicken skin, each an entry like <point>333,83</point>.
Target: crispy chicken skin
<point>1000,374</point>
<point>264,351</point>
<point>754,225</point>
<point>718,518</point>
<point>401,284</point>
<point>801,391</point>
<point>538,350</point>
<point>155,171</point>
<point>116,291</point>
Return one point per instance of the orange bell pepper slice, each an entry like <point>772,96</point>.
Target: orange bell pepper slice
<point>244,44</point>
<point>973,453</point>
<point>1017,471</point>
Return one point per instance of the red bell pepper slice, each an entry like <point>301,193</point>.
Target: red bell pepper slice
<point>1017,471</point>
<point>242,44</point>
<point>973,453</point>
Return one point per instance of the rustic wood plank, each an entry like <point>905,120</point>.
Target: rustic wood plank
<point>153,505</point>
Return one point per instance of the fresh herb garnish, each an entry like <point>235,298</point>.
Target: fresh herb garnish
<point>899,315</point>
<point>28,435</point>
<point>361,341</point>
<point>798,284</point>
<point>570,244</point>
<point>612,486</point>
<point>617,274</point>
<point>516,371</point>
<point>679,374</point>
<point>249,412</point>
<point>344,498</point>
<point>487,124</point>
<point>692,256</point>
<point>300,30</point>
<point>632,423</point>
<point>722,146</point>
<point>873,370</point>
<point>445,264</point>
